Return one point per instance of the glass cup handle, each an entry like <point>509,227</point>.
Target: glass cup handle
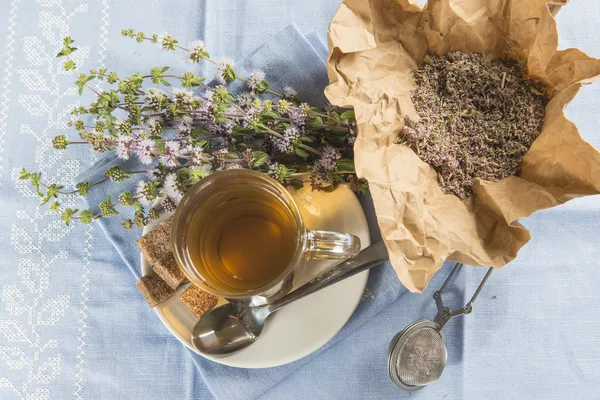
<point>325,244</point>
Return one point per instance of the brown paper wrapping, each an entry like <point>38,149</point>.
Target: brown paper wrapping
<point>374,45</point>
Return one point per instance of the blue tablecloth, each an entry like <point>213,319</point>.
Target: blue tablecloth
<point>72,324</point>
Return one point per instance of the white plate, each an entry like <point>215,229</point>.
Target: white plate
<point>302,327</point>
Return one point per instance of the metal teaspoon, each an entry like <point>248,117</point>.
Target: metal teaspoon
<point>234,326</point>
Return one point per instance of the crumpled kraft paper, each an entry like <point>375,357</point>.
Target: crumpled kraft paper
<point>374,45</point>
<point>555,5</point>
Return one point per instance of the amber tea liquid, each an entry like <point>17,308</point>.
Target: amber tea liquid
<point>242,242</point>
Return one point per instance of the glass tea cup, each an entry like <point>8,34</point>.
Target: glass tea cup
<point>238,234</point>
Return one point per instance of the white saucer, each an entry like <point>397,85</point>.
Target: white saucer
<point>302,327</point>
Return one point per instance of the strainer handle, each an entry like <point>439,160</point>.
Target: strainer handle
<point>372,256</point>
<point>444,313</point>
<point>479,288</point>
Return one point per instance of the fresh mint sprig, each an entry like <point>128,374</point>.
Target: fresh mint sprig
<point>183,129</point>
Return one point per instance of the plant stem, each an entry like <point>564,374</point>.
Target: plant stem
<point>208,59</point>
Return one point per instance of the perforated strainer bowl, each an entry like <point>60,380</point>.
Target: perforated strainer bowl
<point>417,356</point>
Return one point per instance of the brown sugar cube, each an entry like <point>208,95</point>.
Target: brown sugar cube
<point>198,301</point>
<point>155,245</point>
<point>168,269</point>
<point>154,289</point>
<point>166,226</point>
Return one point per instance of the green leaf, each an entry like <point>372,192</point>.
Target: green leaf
<point>301,152</point>
<point>127,199</point>
<point>296,184</point>
<point>348,115</point>
<point>269,116</point>
<point>259,158</point>
<point>199,131</point>
<point>317,120</point>
<point>536,92</point>
<point>83,188</point>
<point>86,216</point>
<point>54,206</point>
<point>66,49</point>
<point>107,209</point>
<point>23,174</point>
<point>69,65</point>
<point>305,139</point>
<point>112,77</point>
<point>229,73</point>
<point>262,128</point>
<point>241,130</point>
<point>51,192</point>
<point>262,87</point>
<point>67,215</point>
<point>345,164</point>
<point>34,178</point>
<point>190,80</point>
<point>364,188</point>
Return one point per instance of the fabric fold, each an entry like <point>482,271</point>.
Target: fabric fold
<point>288,59</point>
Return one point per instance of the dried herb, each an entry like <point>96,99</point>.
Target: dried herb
<point>478,118</point>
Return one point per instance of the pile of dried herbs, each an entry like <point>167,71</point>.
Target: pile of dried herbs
<point>478,118</point>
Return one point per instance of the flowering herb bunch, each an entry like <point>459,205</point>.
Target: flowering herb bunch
<point>182,134</point>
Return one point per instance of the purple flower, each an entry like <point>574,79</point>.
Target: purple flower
<point>224,67</point>
<point>204,113</point>
<point>154,125</point>
<point>320,178</point>
<point>172,189</point>
<point>251,118</point>
<point>218,159</point>
<point>232,166</point>
<point>124,145</point>
<point>157,173</point>
<point>144,150</point>
<point>286,144</point>
<point>183,96</point>
<point>351,137</point>
<point>123,126</point>
<point>143,195</point>
<point>289,92</point>
<point>197,156</point>
<point>245,99</point>
<point>200,171</point>
<point>156,98</point>
<point>255,78</point>
<point>171,153</point>
<point>298,119</point>
<point>328,159</point>
<point>223,132</point>
<point>197,51</point>
<point>184,127</point>
<point>209,94</point>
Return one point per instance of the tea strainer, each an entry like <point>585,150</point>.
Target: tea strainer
<point>417,355</point>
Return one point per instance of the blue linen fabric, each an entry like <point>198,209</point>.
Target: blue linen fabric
<point>288,58</point>
<point>72,324</point>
